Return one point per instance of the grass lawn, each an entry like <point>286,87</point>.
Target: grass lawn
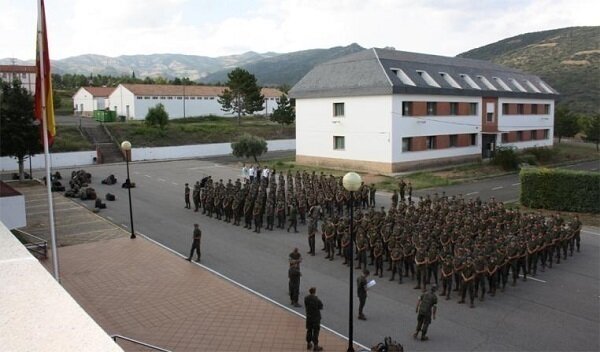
<point>198,130</point>
<point>69,139</point>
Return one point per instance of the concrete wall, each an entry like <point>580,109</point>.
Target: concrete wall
<point>60,160</point>
<point>366,126</point>
<point>12,211</point>
<point>37,313</point>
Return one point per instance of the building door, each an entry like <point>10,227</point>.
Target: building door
<point>127,111</point>
<point>81,108</point>
<point>488,145</point>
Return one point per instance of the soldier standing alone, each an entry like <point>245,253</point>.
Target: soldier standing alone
<point>187,196</point>
<point>313,306</point>
<point>294,283</point>
<point>196,243</point>
<point>426,306</point>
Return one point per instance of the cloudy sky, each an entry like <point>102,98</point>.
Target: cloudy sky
<point>223,27</point>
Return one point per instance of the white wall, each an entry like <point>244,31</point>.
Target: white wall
<point>60,160</point>
<point>408,126</point>
<point>174,106</point>
<point>83,97</point>
<point>118,101</point>
<point>366,127</point>
<point>12,211</point>
<point>57,160</point>
<point>199,150</point>
<point>38,314</point>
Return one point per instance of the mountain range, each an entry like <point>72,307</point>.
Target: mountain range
<point>567,58</point>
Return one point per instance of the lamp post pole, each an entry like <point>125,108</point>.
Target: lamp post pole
<point>126,146</point>
<point>351,182</point>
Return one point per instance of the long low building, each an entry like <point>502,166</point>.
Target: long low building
<point>387,111</point>
<point>134,100</point>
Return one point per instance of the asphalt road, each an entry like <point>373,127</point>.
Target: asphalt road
<point>558,311</point>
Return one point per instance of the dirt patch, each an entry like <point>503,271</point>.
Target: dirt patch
<point>575,62</point>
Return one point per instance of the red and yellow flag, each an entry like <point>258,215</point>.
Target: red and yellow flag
<point>43,94</point>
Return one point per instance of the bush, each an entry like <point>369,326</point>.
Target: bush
<point>249,146</point>
<point>157,116</point>
<point>529,159</point>
<point>506,158</point>
<point>542,154</point>
<point>559,189</point>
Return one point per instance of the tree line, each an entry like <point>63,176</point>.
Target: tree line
<point>568,123</point>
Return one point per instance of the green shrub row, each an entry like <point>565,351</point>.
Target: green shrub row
<point>559,189</point>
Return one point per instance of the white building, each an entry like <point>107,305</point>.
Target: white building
<point>88,99</point>
<point>386,111</point>
<point>25,74</point>
<point>134,100</point>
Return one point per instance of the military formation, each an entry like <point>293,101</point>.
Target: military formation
<point>467,246</point>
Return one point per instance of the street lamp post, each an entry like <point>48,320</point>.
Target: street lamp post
<point>126,147</point>
<point>352,182</point>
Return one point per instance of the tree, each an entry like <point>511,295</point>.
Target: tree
<point>249,146</point>
<point>242,95</point>
<point>157,116</point>
<point>565,123</point>
<point>284,113</point>
<point>592,129</point>
<point>19,135</point>
<point>56,101</point>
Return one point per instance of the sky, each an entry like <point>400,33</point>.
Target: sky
<point>227,27</point>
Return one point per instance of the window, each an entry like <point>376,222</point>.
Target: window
<point>339,143</point>
<point>179,98</point>
<point>517,84</point>
<point>406,108</point>
<point>546,87</point>
<point>470,81</point>
<point>504,109</point>
<point>534,88</point>
<point>504,137</point>
<point>205,98</point>
<point>450,80</point>
<point>146,97</point>
<point>502,84</point>
<point>453,140</point>
<point>154,98</point>
<point>431,142</point>
<point>486,83</point>
<point>23,75</point>
<point>472,108</point>
<point>546,109</point>
<point>519,136</point>
<point>212,98</point>
<point>406,144</point>
<point>139,98</point>
<point>169,98</point>
<point>489,117</point>
<point>192,98</point>
<point>546,132</point>
<point>162,98</point>
<point>520,109</point>
<point>473,138</point>
<point>431,108</point>
<point>428,79</point>
<point>534,109</point>
<point>338,109</point>
<point>403,77</point>
<point>453,108</point>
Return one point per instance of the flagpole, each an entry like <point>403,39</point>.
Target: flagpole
<point>41,46</point>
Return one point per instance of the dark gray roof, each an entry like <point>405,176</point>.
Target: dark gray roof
<point>374,72</point>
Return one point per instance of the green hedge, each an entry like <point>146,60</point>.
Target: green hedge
<point>559,189</point>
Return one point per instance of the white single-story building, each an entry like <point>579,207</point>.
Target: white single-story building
<point>387,111</point>
<point>88,99</point>
<point>134,100</point>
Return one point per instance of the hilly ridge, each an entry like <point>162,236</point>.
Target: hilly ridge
<point>567,58</point>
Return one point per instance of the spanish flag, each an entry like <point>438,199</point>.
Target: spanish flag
<point>44,107</point>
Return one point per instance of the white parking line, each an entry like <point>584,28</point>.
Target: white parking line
<point>125,226</point>
<point>533,278</point>
<point>470,194</point>
<point>497,188</point>
<point>148,176</point>
<point>109,218</point>
<point>516,184</point>
<point>591,233</point>
<point>175,183</point>
<point>161,179</point>
<point>136,172</point>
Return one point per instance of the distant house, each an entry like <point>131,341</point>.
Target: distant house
<point>134,100</point>
<point>88,99</point>
<point>386,111</point>
<point>25,74</point>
